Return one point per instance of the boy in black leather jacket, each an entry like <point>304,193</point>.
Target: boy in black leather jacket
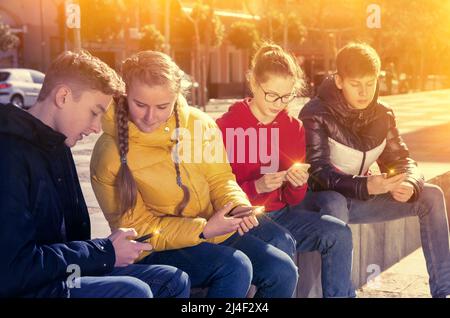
<point>347,130</point>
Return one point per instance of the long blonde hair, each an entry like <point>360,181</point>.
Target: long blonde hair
<point>152,68</point>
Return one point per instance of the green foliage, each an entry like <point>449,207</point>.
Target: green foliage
<point>415,33</point>
<point>8,40</point>
<point>271,27</point>
<point>102,20</point>
<point>243,35</point>
<point>152,38</point>
<point>209,25</point>
<point>183,29</point>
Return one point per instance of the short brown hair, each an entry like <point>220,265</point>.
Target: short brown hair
<point>357,59</point>
<point>81,71</point>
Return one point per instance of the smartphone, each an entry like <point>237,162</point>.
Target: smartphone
<point>247,212</point>
<point>395,172</point>
<point>302,166</point>
<point>147,236</point>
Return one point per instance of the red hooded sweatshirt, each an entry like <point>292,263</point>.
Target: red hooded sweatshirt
<point>248,159</point>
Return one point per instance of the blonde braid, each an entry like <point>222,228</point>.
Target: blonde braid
<point>186,194</point>
<point>127,187</point>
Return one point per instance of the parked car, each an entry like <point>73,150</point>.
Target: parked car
<point>20,86</point>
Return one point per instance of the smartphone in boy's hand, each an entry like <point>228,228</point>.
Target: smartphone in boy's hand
<point>147,236</point>
<point>395,172</point>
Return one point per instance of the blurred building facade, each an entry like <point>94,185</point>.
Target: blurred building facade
<point>40,25</point>
<point>36,23</point>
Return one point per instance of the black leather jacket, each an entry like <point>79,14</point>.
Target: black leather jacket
<point>342,142</point>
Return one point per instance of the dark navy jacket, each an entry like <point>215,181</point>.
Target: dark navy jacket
<point>342,143</point>
<point>44,221</point>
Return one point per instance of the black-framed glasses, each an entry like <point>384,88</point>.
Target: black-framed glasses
<point>273,97</point>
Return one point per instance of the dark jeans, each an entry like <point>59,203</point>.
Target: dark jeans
<point>135,281</point>
<point>331,238</point>
<point>430,208</point>
<point>228,269</point>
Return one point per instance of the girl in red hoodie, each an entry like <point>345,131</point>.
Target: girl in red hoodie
<point>266,149</point>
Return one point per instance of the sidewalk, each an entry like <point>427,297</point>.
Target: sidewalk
<point>424,122</point>
<point>408,278</point>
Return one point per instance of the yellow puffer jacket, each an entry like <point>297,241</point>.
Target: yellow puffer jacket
<point>212,185</point>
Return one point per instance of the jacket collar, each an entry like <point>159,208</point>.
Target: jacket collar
<point>241,112</point>
<point>19,123</point>
<point>335,101</point>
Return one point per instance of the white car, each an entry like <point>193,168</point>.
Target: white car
<point>20,86</point>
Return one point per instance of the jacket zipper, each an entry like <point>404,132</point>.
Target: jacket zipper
<point>362,163</point>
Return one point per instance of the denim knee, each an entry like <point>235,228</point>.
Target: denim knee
<point>283,271</point>
<point>431,199</point>
<point>240,266</point>
<point>285,242</point>
<point>181,286</point>
<point>431,194</point>
<point>337,236</point>
<point>333,203</point>
<point>132,287</point>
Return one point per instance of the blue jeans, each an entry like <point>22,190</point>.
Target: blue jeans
<point>134,281</point>
<point>330,237</point>
<point>429,207</point>
<point>228,269</point>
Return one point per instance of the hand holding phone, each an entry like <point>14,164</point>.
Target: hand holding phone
<point>395,172</point>
<point>248,217</point>
<point>126,251</point>
<point>300,166</point>
<point>297,175</point>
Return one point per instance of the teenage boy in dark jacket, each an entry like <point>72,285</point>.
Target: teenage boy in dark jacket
<point>347,130</point>
<point>45,244</point>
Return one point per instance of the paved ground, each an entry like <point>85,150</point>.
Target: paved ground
<point>423,120</point>
<point>408,278</point>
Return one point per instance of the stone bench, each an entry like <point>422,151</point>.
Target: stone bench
<point>373,244</point>
<point>381,244</point>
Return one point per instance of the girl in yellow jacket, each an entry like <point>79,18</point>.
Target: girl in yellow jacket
<point>148,173</point>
